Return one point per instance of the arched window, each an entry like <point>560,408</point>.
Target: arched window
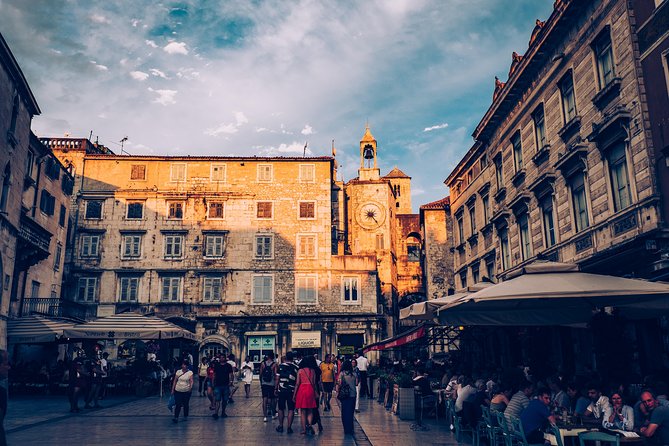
<point>413,248</point>
<point>6,183</point>
<point>15,114</point>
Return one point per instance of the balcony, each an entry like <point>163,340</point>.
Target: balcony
<point>33,243</point>
<point>53,306</point>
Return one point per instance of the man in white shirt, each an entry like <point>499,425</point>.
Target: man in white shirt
<point>363,364</point>
<point>600,406</point>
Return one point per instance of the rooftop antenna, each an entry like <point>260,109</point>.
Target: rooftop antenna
<point>123,140</point>
<point>304,152</point>
<point>90,135</point>
<point>334,151</point>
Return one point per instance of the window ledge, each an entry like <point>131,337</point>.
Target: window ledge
<point>518,177</point>
<point>500,194</point>
<point>570,128</point>
<point>608,93</point>
<point>473,239</point>
<point>542,154</point>
<point>460,247</point>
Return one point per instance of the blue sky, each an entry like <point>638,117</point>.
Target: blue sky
<point>263,77</point>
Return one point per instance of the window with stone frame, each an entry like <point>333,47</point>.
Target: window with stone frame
<point>472,219</point>
<point>177,172</point>
<point>306,246</point>
<point>463,279</point>
<point>525,237</point>
<point>131,247</point>
<point>173,246</point>
<point>307,173</point>
<point>175,210</point>
<point>350,289</point>
<point>264,210</point>
<point>265,173</point>
<point>218,172</point>
<point>461,228</point>
<point>216,210</point>
<point>505,249</point>
<point>87,289</point>
<point>171,288</point>
<point>89,245</point>
<point>263,289</point>
<point>47,203</point>
<point>62,217</point>
<point>616,157</point>
<point>539,120</point>
<point>517,152</point>
<point>212,289</point>
<point>93,210</point>
<point>306,289</point>
<point>604,55</point>
<point>485,201</point>
<point>135,210</point>
<point>577,183</point>
<point>58,257</point>
<point>490,268</point>
<point>214,245</point>
<point>128,288</point>
<point>138,172</point>
<point>568,97</point>
<point>475,274</point>
<point>499,173</point>
<point>264,246</point>
<point>547,220</point>
<point>307,210</point>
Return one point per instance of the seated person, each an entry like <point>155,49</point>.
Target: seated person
<point>422,380</point>
<point>642,414</point>
<point>657,430</point>
<point>519,401</point>
<point>622,416</point>
<point>471,408</point>
<point>600,407</point>
<point>577,402</point>
<point>500,400</point>
<point>559,398</point>
<point>536,416</point>
<point>465,392</point>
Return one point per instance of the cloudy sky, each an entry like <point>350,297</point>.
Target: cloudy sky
<point>264,77</point>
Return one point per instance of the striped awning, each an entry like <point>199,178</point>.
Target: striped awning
<point>129,326</point>
<point>36,330</point>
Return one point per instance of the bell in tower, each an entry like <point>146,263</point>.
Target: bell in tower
<point>368,167</point>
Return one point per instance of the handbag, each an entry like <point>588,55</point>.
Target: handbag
<point>344,391</point>
<point>171,403</point>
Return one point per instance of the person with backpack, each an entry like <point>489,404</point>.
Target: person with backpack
<point>285,386</point>
<point>268,372</point>
<point>346,394</point>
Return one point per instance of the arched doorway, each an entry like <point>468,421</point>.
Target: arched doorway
<point>212,345</point>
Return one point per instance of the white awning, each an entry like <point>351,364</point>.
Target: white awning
<point>129,326</point>
<point>36,330</point>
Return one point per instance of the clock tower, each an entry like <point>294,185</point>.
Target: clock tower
<point>369,169</point>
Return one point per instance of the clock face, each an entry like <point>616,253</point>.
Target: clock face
<point>371,215</point>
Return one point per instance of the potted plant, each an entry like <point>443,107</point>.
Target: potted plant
<point>406,406</point>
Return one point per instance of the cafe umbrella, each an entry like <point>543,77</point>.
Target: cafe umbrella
<point>128,326</point>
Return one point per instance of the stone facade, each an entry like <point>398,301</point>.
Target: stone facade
<point>562,164</point>
<point>437,230</point>
<point>260,254</point>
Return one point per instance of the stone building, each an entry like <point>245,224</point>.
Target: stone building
<point>563,165</point>
<point>437,229</point>
<point>257,254</point>
<point>35,188</point>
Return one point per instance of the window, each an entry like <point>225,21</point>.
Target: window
<point>472,219</point>
<point>475,274</point>
<point>307,210</point>
<point>135,210</point>
<point>128,289</point>
<point>490,268</point>
<point>539,127</point>
<point>138,172</point>
<point>218,172</point>
<point>58,257</point>
<point>306,246</point>
<point>579,201</point>
<point>170,289</point>
<point>34,289</point>
<point>306,289</point>
<point>525,240</point>
<point>93,209</point>
<point>517,152</point>
<point>604,54</point>
<point>15,115</point>
<point>568,98</point>
<point>461,229</point>
<point>620,184</point>
<point>62,216</point>
<point>264,209</point>
<point>214,245</point>
<point>178,172</point>
<point>547,220</point>
<point>30,162</point>
<point>264,173</point>
<point>216,210</point>
<point>499,177</point>
<point>67,185</point>
<point>307,173</point>
<point>483,162</point>
<point>485,201</point>
<point>47,203</point>
<point>211,289</point>
<point>131,248</point>
<point>89,245</point>
<point>463,279</point>
<point>87,289</point>
<point>349,288</point>
<point>264,246</point>
<point>504,242</point>
<point>175,210</point>
<point>263,289</point>
<point>174,246</point>
<point>6,184</point>
<point>413,252</point>
<point>380,241</point>
<point>52,168</point>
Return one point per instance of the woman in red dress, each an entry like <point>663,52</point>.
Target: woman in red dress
<point>306,393</point>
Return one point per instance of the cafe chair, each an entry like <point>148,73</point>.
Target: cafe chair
<point>492,430</point>
<point>601,437</point>
<point>426,401</point>
<point>503,425</point>
<point>556,432</point>
<point>461,428</point>
<point>518,433</point>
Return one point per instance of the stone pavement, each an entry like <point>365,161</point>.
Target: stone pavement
<point>45,420</point>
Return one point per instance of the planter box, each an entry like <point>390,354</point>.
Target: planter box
<point>407,404</point>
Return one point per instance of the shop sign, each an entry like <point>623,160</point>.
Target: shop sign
<point>346,349</point>
<point>305,339</point>
<point>261,343</point>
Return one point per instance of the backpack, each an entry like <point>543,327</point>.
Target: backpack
<point>344,390</point>
<point>267,373</point>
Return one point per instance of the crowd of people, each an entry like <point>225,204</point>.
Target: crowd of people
<point>293,385</point>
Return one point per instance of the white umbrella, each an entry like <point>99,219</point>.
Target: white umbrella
<point>548,293</point>
<point>129,326</point>
<point>427,310</point>
<point>35,330</point>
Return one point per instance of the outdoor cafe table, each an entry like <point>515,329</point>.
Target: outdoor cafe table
<point>570,433</point>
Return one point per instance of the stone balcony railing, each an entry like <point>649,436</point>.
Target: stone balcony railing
<point>53,306</point>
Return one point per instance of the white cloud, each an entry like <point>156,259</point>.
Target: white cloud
<point>188,73</point>
<point>151,43</point>
<point>228,128</point>
<point>175,48</point>
<point>307,130</point>
<point>165,97</point>
<point>241,118</point>
<point>261,129</point>
<point>97,18</point>
<point>436,127</point>
<point>99,66</point>
<point>156,72</point>
<point>294,147</point>
<point>135,22</point>
<point>139,75</point>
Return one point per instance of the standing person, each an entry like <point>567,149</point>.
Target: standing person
<point>233,383</point>
<point>363,365</point>
<point>104,366</point>
<point>4,385</point>
<point>268,371</point>
<point>356,373</point>
<point>247,375</point>
<point>181,389</point>
<point>77,384</point>
<point>202,376</point>
<point>306,393</point>
<point>209,384</point>
<point>346,384</point>
<point>95,380</point>
<point>223,376</point>
<point>285,387</point>
<point>328,380</point>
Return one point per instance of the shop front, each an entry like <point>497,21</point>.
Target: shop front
<point>349,343</point>
<point>259,345</point>
<point>306,343</point>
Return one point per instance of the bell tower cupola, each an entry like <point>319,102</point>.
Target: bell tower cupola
<point>369,169</point>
